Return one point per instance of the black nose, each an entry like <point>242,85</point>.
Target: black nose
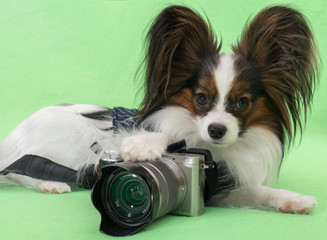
<point>216,131</point>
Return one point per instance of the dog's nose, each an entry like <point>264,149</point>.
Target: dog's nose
<point>216,131</point>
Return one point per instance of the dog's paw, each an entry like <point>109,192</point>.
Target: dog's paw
<point>142,147</point>
<point>289,202</point>
<point>54,187</point>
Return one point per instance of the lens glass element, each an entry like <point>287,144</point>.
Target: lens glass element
<point>129,196</point>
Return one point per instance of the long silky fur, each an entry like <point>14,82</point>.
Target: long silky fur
<point>179,41</point>
<point>281,46</point>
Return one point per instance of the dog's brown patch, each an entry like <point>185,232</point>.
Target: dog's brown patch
<point>262,115</point>
<point>189,98</point>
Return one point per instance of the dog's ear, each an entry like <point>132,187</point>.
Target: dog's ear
<point>178,41</point>
<point>281,46</point>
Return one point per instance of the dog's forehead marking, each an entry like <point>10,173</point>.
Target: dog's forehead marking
<point>224,75</point>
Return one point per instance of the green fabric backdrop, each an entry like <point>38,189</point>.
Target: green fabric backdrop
<point>87,51</point>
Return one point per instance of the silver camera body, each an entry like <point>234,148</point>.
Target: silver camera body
<point>180,178</point>
<point>131,195</point>
<point>189,169</point>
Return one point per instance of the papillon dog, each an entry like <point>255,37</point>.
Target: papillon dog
<point>245,107</point>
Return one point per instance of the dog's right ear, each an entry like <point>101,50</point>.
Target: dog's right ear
<point>280,44</point>
<point>179,42</point>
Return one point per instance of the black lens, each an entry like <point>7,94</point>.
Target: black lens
<point>129,196</point>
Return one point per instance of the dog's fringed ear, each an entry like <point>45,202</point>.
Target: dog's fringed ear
<point>281,46</point>
<point>178,41</point>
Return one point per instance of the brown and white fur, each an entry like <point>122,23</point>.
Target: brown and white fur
<point>244,107</point>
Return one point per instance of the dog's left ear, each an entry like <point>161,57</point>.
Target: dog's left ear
<point>280,45</point>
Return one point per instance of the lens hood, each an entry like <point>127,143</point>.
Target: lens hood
<point>111,222</point>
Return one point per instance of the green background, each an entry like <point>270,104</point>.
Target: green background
<point>87,51</point>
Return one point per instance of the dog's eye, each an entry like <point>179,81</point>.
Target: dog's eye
<point>202,99</point>
<point>243,102</point>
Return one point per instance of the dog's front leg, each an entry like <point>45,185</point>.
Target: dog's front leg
<point>144,146</point>
<point>264,197</point>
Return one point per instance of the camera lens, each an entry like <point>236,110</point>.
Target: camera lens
<point>129,196</point>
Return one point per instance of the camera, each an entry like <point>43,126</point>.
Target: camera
<point>131,195</point>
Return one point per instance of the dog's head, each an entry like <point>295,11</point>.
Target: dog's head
<point>267,81</point>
